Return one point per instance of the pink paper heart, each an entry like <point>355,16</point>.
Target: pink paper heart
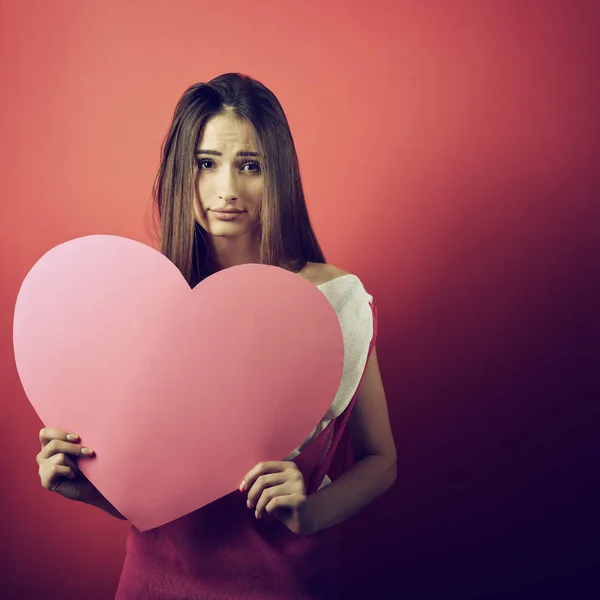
<point>180,392</point>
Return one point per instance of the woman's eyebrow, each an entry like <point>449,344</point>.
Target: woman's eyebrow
<point>217,153</point>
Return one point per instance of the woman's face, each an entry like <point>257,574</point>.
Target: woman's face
<point>229,186</point>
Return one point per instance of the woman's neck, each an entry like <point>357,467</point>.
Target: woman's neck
<point>229,252</point>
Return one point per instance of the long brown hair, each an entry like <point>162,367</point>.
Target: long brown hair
<point>287,239</point>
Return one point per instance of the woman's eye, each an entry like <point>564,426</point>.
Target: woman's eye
<point>201,163</point>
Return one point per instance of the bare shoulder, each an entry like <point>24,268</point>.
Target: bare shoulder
<point>319,273</point>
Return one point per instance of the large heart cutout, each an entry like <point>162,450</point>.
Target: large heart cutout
<point>180,392</point>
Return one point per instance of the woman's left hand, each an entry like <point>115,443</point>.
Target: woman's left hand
<point>278,488</point>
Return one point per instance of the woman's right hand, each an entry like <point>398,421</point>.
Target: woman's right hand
<point>58,465</point>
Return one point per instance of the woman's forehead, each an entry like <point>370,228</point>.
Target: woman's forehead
<point>228,129</point>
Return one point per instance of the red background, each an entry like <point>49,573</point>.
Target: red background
<point>450,157</point>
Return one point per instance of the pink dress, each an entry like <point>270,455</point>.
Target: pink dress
<point>221,551</point>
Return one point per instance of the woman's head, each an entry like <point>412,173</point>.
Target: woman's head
<point>231,114</point>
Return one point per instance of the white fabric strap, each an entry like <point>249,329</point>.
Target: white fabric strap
<point>351,303</point>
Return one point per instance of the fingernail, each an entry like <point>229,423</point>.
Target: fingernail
<point>256,515</point>
<point>242,486</point>
<point>87,451</point>
<point>249,504</point>
<point>72,437</point>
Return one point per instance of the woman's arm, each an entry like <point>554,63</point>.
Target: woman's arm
<point>375,469</point>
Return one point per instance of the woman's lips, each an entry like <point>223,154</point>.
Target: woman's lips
<point>226,215</point>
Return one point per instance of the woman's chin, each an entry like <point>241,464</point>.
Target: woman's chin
<point>227,229</point>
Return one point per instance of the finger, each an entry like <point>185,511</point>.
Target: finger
<point>291,473</point>
<point>263,482</point>
<point>63,459</point>
<point>51,473</point>
<point>262,468</point>
<point>285,501</point>
<point>56,446</point>
<point>285,489</point>
<point>47,434</point>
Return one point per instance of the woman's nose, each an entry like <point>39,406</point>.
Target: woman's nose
<point>227,188</point>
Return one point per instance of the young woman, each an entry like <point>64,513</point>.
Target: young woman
<point>228,192</point>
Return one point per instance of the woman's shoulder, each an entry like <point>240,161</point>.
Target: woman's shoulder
<point>341,287</point>
<point>320,273</point>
